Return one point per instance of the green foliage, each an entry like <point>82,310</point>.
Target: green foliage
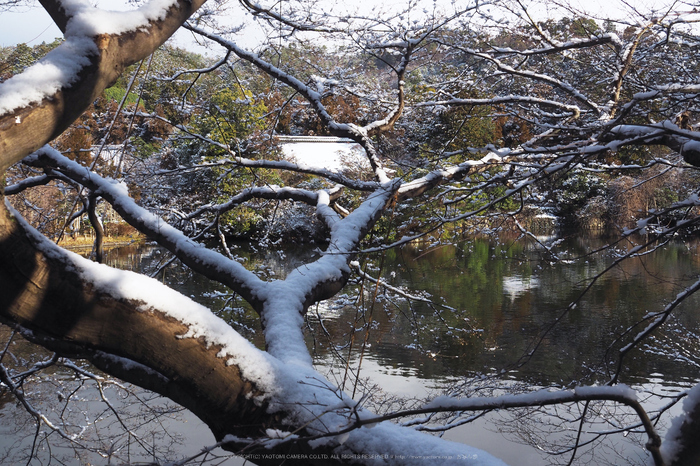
<point>568,28</point>
<point>573,190</point>
<point>116,94</point>
<point>171,96</point>
<point>232,116</point>
<point>142,148</point>
<point>470,127</point>
<point>20,58</point>
<point>463,127</point>
<point>15,59</point>
<point>664,196</point>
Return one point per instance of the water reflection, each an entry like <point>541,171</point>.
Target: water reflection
<point>492,304</point>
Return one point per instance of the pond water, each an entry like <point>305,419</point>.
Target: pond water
<point>491,305</point>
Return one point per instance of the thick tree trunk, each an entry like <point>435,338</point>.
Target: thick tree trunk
<point>685,441</point>
<point>27,129</point>
<point>41,293</point>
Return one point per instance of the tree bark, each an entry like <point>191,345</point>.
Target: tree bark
<point>44,296</point>
<point>41,293</point>
<point>27,129</point>
<point>97,228</point>
<point>687,445</point>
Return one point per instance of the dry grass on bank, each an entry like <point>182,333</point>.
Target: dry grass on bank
<point>85,241</point>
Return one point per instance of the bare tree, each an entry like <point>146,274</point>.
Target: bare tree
<point>566,99</point>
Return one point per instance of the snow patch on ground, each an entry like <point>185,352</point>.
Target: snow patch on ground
<point>333,155</point>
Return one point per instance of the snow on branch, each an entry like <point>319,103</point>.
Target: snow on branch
<point>348,130</point>
<point>289,299</point>
<point>620,394</point>
<point>557,83</point>
<point>27,183</point>
<point>58,69</point>
<point>311,95</point>
<point>281,303</point>
<point>609,38</point>
<point>236,160</point>
<point>86,20</point>
<point>258,9</point>
<point>573,109</point>
<point>50,95</point>
<point>419,186</point>
<point>685,142</point>
<point>264,192</point>
<point>196,256</point>
<point>61,66</point>
<point>198,71</point>
<point>356,267</point>
<point>294,394</point>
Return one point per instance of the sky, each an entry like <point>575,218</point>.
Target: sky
<point>32,25</point>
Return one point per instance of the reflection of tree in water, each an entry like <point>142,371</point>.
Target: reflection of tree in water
<point>499,298</point>
<point>412,340</point>
<point>516,286</point>
<point>86,416</point>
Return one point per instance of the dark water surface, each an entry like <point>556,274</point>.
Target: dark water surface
<point>492,312</point>
<point>492,304</point>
